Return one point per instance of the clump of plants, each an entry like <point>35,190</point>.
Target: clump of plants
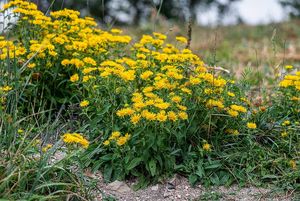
<point>151,108</point>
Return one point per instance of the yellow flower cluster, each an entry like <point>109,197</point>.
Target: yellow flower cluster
<point>160,78</point>
<point>116,137</point>
<point>251,125</point>
<point>47,147</point>
<point>206,147</point>
<point>150,81</point>
<point>84,103</point>
<point>62,33</point>
<point>5,89</point>
<point>75,138</point>
<point>235,109</point>
<point>292,81</point>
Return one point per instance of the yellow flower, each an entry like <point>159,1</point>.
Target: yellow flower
<point>162,106</point>
<point>284,134</point>
<point>214,103</point>
<point>181,39</point>
<point>90,60</point>
<point>194,80</point>
<point>75,138</point>
<point>233,113</point>
<point>128,75</point>
<point>20,131</point>
<point>125,112</point>
<point>106,143</point>
<point>65,62</point>
<point>147,89</point>
<point>183,115</point>
<point>251,125</point>
<point>84,103</point>
<point>115,135</point>
<point>238,108</point>
<point>176,99</point>
<point>116,31</point>
<point>45,148</point>
<point>186,90</point>
<point>206,147</point>
<point>74,78</point>
<point>161,116</point>
<point>286,83</point>
<point>122,140</point>
<point>288,67</point>
<point>148,115</point>
<point>230,94</point>
<point>293,164</point>
<point>286,123</point>
<point>141,56</point>
<point>172,116</point>
<point>182,107</point>
<point>31,65</point>
<point>135,118</point>
<point>145,75</point>
<point>5,88</point>
<point>294,98</point>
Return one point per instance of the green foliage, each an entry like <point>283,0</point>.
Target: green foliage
<point>27,169</point>
<point>293,6</point>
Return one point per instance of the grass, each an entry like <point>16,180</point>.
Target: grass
<point>262,48</point>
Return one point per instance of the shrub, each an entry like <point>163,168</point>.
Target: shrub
<point>151,108</point>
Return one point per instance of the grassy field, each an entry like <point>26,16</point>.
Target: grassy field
<point>260,50</point>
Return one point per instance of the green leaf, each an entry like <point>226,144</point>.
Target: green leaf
<point>224,178</point>
<point>152,167</point>
<point>135,162</point>
<point>193,179</point>
<point>213,165</point>
<point>105,110</point>
<point>175,152</point>
<point>200,171</point>
<point>270,177</point>
<point>215,179</point>
<point>107,157</point>
<point>55,184</point>
<point>107,172</point>
<point>142,183</point>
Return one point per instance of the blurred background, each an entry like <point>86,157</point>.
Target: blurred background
<point>248,37</point>
<point>202,12</point>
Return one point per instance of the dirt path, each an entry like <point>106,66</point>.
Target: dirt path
<point>178,189</point>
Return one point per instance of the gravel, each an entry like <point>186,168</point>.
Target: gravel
<point>182,191</point>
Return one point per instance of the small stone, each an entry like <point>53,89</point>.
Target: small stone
<point>167,194</point>
<point>119,187</point>
<point>154,188</point>
<point>172,183</point>
<point>170,186</point>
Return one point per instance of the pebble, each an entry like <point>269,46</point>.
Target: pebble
<point>119,187</point>
<point>154,188</point>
